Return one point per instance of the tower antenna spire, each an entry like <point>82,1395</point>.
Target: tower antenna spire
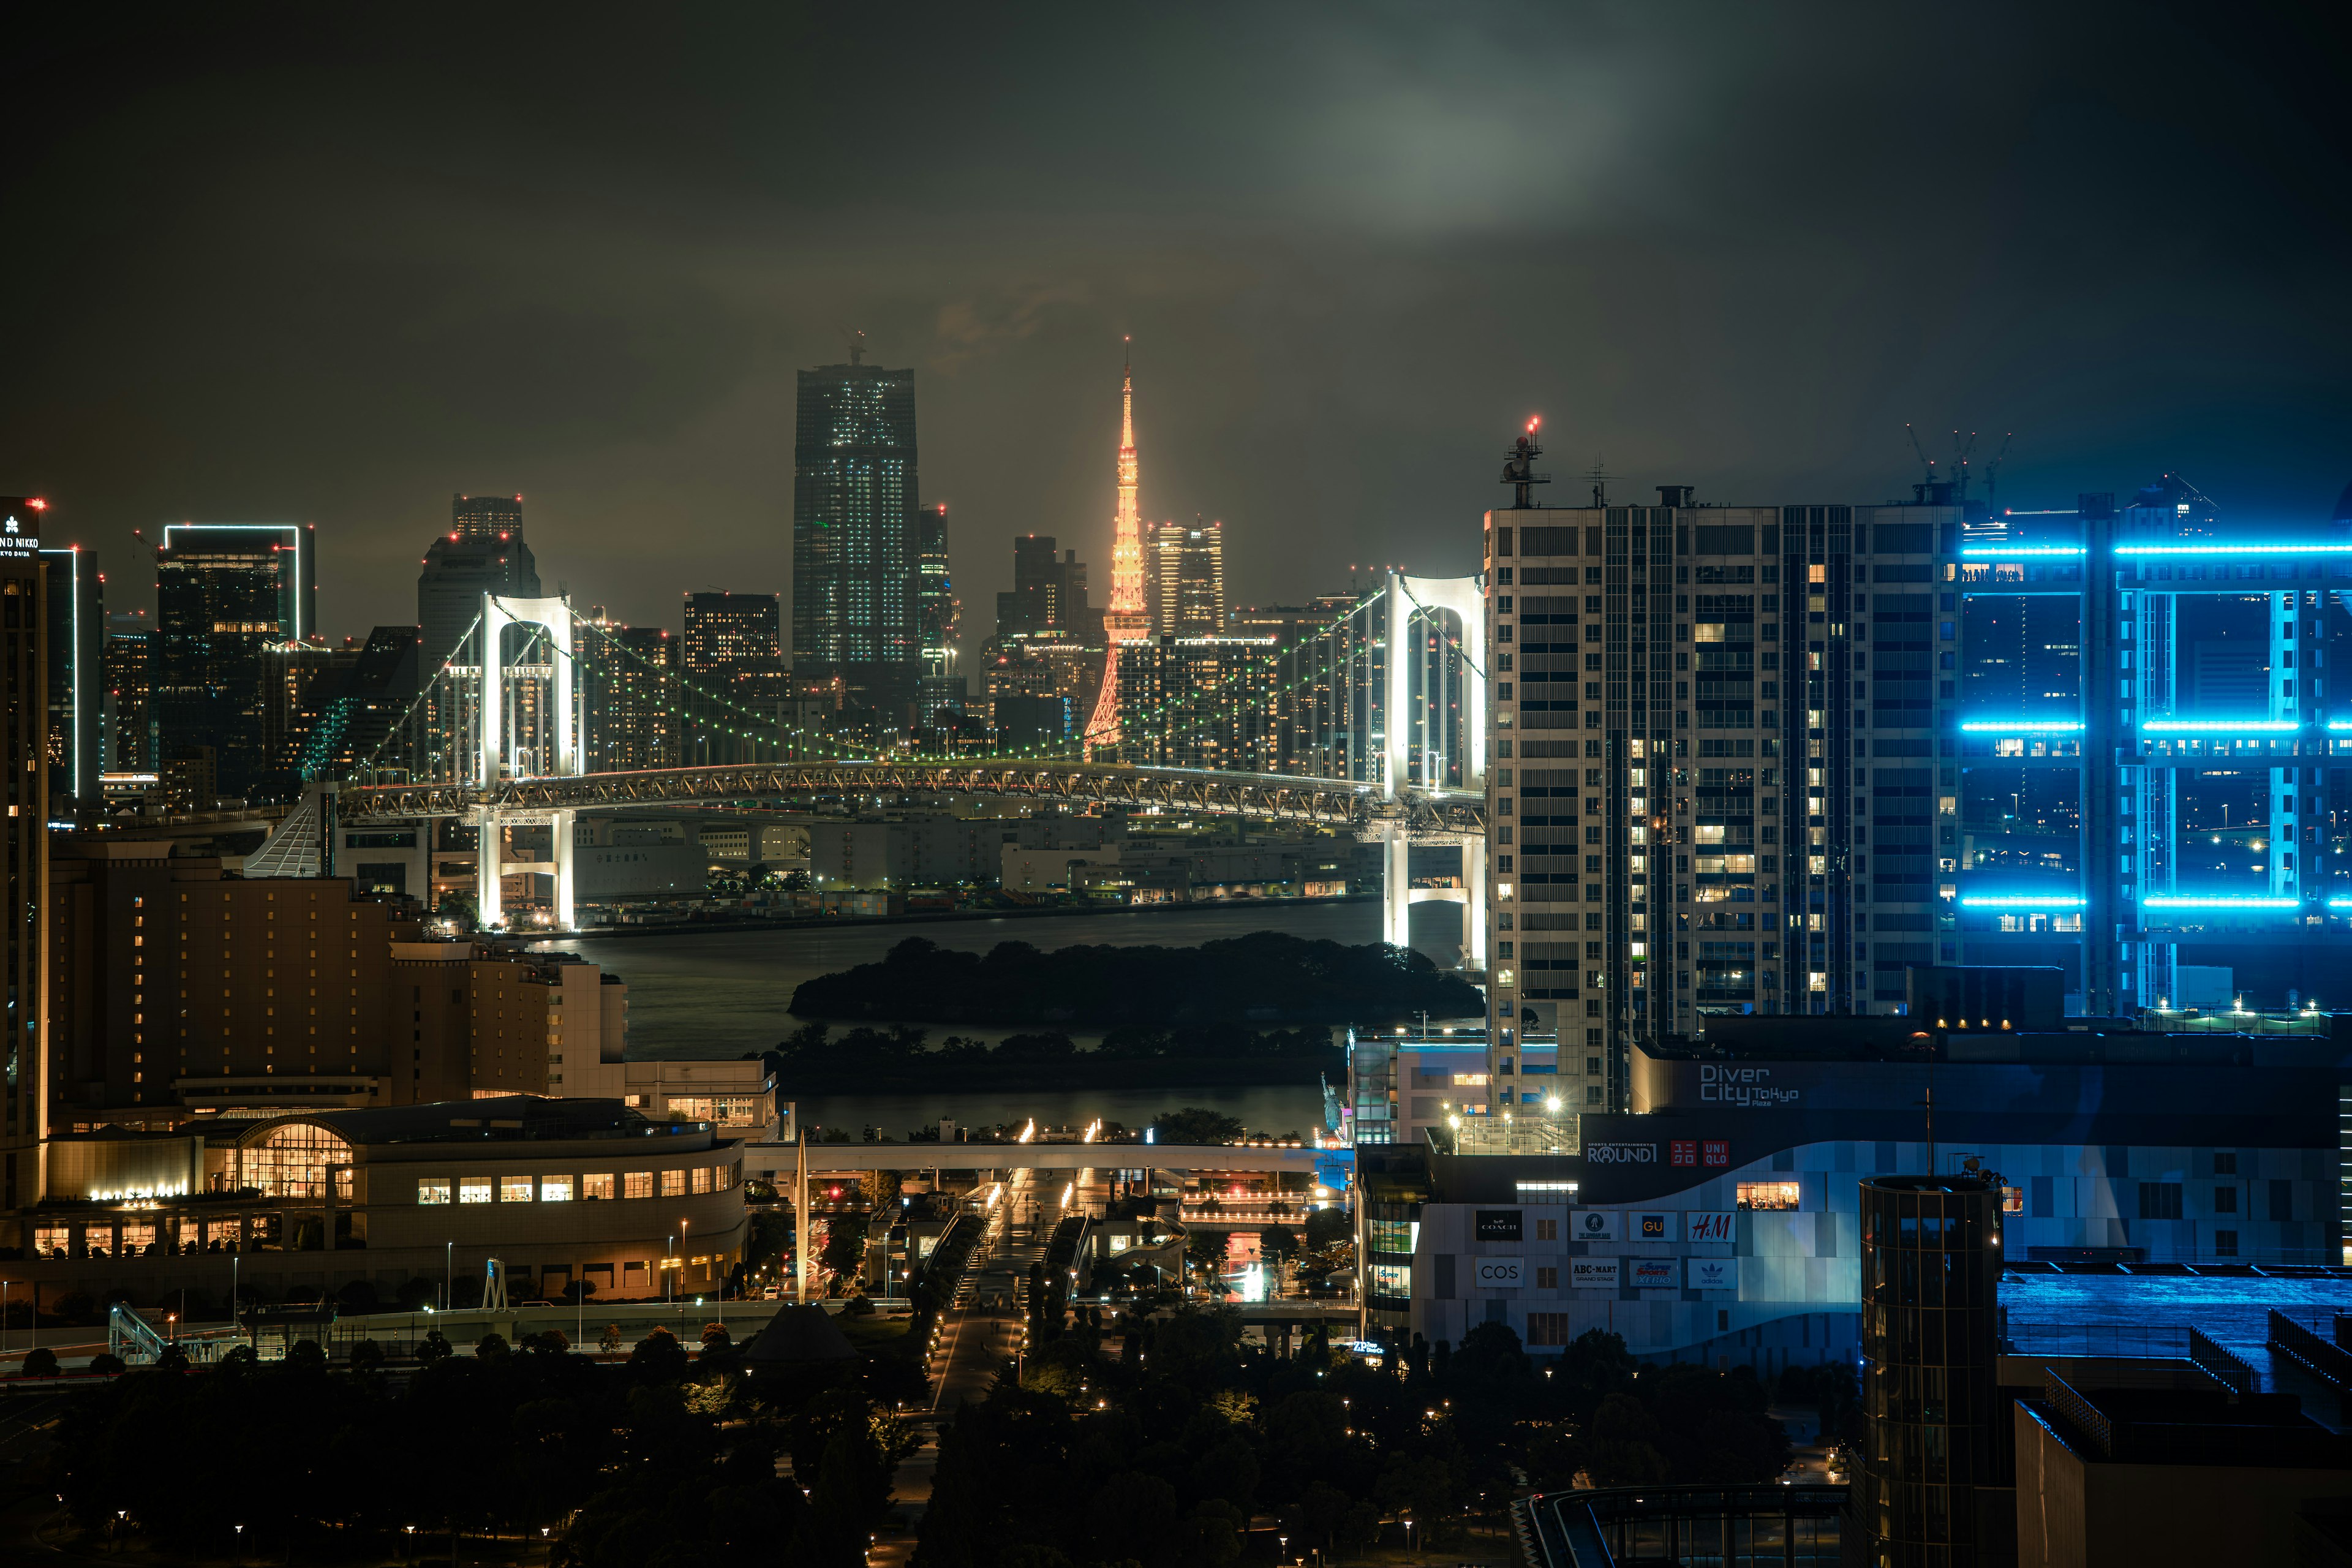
<point>1126,620</point>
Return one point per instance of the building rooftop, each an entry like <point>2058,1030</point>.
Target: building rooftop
<point>2187,1426</point>
<point>501,1119</point>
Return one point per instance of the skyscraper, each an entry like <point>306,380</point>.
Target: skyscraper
<point>1187,567</point>
<point>1714,734</point>
<point>223,594</point>
<point>1199,702</point>
<point>1129,618</point>
<point>24,944</point>
<point>76,609</point>
<point>483,552</point>
<point>855,560</point>
<point>355,721</point>
<point>732,660</point>
<point>130,737</point>
<point>634,710</point>
<point>1048,594</point>
<point>938,617</point>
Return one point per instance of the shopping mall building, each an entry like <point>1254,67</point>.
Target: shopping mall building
<point>557,1190</point>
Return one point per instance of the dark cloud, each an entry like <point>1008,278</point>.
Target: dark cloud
<point>336,263</point>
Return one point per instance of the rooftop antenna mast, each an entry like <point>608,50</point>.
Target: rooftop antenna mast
<point>1600,478</point>
<point>1520,466</point>
<point>857,348</point>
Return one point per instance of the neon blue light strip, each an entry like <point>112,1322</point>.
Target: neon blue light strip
<point>2169,902</point>
<point>2312,549</point>
<point>2220,726</point>
<point>2033,551</point>
<point>2020,901</point>
<point>2022,726</point>
<point>2339,903</point>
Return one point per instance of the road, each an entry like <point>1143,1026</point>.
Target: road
<point>985,1332</point>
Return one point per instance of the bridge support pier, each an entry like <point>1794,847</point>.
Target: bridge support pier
<point>562,829</point>
<point>489,868</point>
<point>1396,890</point>
<point>1474,907</point>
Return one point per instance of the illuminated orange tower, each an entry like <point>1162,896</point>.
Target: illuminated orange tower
<point>1126,620</point>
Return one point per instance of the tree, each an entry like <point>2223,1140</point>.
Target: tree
<point>844,1255</point>
<point>1619,1446</point>
<point>1278,1242</point>
<point>107,1363</point>
<point>659,1358</point>
<point>1049,1045</point>
<point>306,1356</point>
<point>1195,1125</point>
<point>1329,1227</point>
<point>365,1354</point>
<point>434,1349</point>
<point>40,1361</point>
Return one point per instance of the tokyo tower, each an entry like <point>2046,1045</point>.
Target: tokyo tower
<point>1126,620</point>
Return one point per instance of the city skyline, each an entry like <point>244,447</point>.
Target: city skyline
<point>639,380</point>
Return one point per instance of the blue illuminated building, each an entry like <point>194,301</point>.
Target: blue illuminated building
<point>2180,843</point>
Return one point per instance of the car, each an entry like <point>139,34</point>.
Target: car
<point>534,1303</point>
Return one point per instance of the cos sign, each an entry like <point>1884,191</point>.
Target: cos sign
<point>1499,1273</point>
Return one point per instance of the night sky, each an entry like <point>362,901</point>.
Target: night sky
<point>332,263</point>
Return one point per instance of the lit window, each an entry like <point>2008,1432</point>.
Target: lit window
<point>637,1184</point>
<point>597,1185</point>
<point>555,1189</point>
<point>432,1189</point>
<point>1469,1081</point>
<point>1392,1280</point>
<point>473,1189</point>
<point>1767,1194</point>
<point>673,1183</point>
<point>291,1161</point>
<point>515,1189</point>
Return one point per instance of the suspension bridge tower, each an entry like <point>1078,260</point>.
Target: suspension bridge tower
<point>1126,620</point>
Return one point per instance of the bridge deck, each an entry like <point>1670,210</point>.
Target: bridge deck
<point>1283,797</point>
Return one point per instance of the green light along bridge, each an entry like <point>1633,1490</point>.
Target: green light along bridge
<point>498,742</point>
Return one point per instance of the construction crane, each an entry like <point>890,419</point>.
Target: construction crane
<point>1992,469</point>
<point>1960,452</point>
<point>1926,462</point>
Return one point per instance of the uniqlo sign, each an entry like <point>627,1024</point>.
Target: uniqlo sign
<point>1684,1151</point>
<point>1717,1151</point>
